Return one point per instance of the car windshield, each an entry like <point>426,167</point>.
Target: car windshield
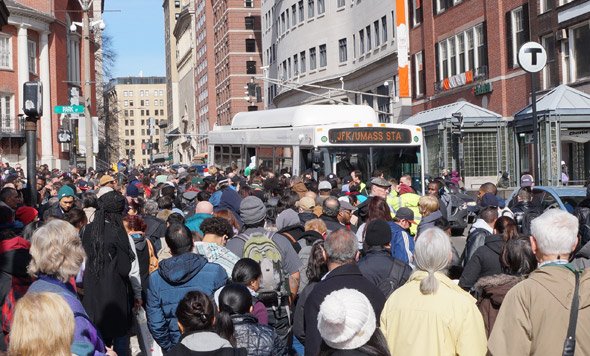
<point>571,201</point>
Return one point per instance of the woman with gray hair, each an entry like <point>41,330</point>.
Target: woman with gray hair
<point>56,256</point>
<point>430,314</point>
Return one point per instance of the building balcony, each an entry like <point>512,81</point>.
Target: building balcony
<point>12,126</point>
<point>459,80</point>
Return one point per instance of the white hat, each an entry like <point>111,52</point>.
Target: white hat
<point>346,320</point>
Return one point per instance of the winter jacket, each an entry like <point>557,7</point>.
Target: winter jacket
<point>476,238</point>
<point>143,258</point>
<point>331,223</point>
<point>428,221</point>
<point>259,340</point>
<point>306,216</point>
<point>175,277</point>
<point>84,330</point>
<point>204,343</point>
<point>217,254</point>
<point>444,323</point>
<point>490,292</point>
<point>299,314</point>
<point>378,266</point>
<point>406,200</point>
<point>535,315</point>
<point>106,291</point>
<point>194,222</point>
<point>485,262</point>
<point>156,229</point>
<point>230,200</point>
<point>402,244</point>
<point>345,276</point>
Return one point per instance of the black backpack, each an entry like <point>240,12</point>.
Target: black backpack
<point>527,218</point>
<point>396,277</point>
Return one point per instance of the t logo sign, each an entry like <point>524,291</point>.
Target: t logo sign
<point>532,57</point>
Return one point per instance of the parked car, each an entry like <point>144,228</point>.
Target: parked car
<point>564,198</point>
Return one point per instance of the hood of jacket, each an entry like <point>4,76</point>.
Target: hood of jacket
<point>495,287</point>
<point>494,243</point>
<point>182,268</point>
<point>481,224</point>
<point>140,241</point>
<point>432,217</point>
<point>204,341</point>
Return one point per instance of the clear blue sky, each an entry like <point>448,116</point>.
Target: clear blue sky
<point>137,30</point>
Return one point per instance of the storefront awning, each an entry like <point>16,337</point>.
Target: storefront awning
<point>562,101</point>
<point>473,115</point>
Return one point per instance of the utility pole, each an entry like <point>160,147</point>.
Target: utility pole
<point>87,88</point>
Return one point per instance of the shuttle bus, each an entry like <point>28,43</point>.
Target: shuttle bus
<point>322,138</point>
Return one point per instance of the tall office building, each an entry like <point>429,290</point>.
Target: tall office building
<point>137,106</point>
<point>238,57</point>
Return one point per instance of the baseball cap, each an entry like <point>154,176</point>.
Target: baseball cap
<point>527,180</point>
<point>380,182</point>
<point>105,179</point>
<point>305,203</point>
<point>324,185</point>
<point>405,214</point>
<point>489,199</point>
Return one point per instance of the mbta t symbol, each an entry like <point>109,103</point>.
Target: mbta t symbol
<point>534,52</point>
<point>532,57</point>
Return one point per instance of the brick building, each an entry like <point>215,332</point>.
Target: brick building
<point>238,57</point>
<point>37,44</point>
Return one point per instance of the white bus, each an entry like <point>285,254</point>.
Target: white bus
<point>324,138</point>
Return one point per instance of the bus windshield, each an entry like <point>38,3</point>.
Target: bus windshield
<point>392,161</point>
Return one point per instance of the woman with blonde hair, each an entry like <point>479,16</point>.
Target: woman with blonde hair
<point>56,256</point>
<point>430,314</point>
<point>43,324</point>
<point>429,209</point>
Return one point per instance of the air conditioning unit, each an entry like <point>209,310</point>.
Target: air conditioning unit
<point>561,35</point>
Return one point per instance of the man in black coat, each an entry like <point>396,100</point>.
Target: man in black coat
<point>341,248</point>
<point>378,266</point>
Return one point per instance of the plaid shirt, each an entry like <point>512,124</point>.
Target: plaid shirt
<point>217,254</point>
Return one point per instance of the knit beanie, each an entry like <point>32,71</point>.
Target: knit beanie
<point>65,191</point>
<point>26,214</point>
<point>252,210</point>
<point>346,320</point>
<point>377,233</point>
<point>287,218</point>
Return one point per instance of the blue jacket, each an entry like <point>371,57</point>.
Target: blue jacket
<point>168,285</point>
<point>194,222</point>
<point>402,244</point>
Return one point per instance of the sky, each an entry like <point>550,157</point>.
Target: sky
<point>137,29</point>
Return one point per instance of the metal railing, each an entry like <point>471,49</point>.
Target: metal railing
<point>11,126</point>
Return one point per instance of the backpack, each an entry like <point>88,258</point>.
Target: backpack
<point>527,217</point>
<point>262,249</point>
<point>398,275</point>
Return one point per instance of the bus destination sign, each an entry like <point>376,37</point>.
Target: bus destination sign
<point>370,135</point>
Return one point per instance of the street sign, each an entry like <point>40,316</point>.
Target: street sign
<point>532,57</point>
<point>71,109</point>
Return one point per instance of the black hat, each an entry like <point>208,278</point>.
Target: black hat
<point>377,233</point>
<point>405,214</point>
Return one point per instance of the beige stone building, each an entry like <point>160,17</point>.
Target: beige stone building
<point>136,108</point>
<point>172,9</point>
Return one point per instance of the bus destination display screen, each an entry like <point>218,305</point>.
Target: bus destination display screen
<point>370,135</point>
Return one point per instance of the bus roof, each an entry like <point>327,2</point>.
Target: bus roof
<point>305,115</point>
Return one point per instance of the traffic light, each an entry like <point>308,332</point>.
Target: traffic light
<point>33,99</point>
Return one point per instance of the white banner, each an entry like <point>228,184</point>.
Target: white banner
<point>579,136</point>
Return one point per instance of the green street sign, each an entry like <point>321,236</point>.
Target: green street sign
<point>72,109</point>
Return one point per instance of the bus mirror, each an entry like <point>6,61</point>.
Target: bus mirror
<point>317,156</point>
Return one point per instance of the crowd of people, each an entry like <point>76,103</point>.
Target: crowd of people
<point>267,263</point>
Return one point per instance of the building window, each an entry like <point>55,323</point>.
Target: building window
<point>250,45</point>
<point>342,50</point>
<point>545,5</point>
<point>142,112</point>
<point>353,46</point>
<point>369,43</point>
<point>362,42</point>
<point>310,8</point>
<point>295,64</point>
<point>312,59</point>
<point>301,11</point>
<point>7,121</point>
<point>249,22</point>
<point>548,73</point>
<point>377,33</point>
<point>73,53</point>
<point>341,3</point>
<point>250,67</point>
<point>141,102</point>
<point>418,75</point>
<point>293,15</point>
<point>579,51</point>
<point>126,103</point>
<point>302,58</point>
<point>517,24</point>
<point>177,4</point>
<point>141,94</point>
<point>32,51</point>
<point>384,28</point>
<point>460,53</point>
<point>248,3</point>
<point>289,67</point>
<point>323,56</point>
<point>415,13</point>
<point>321,7</point>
